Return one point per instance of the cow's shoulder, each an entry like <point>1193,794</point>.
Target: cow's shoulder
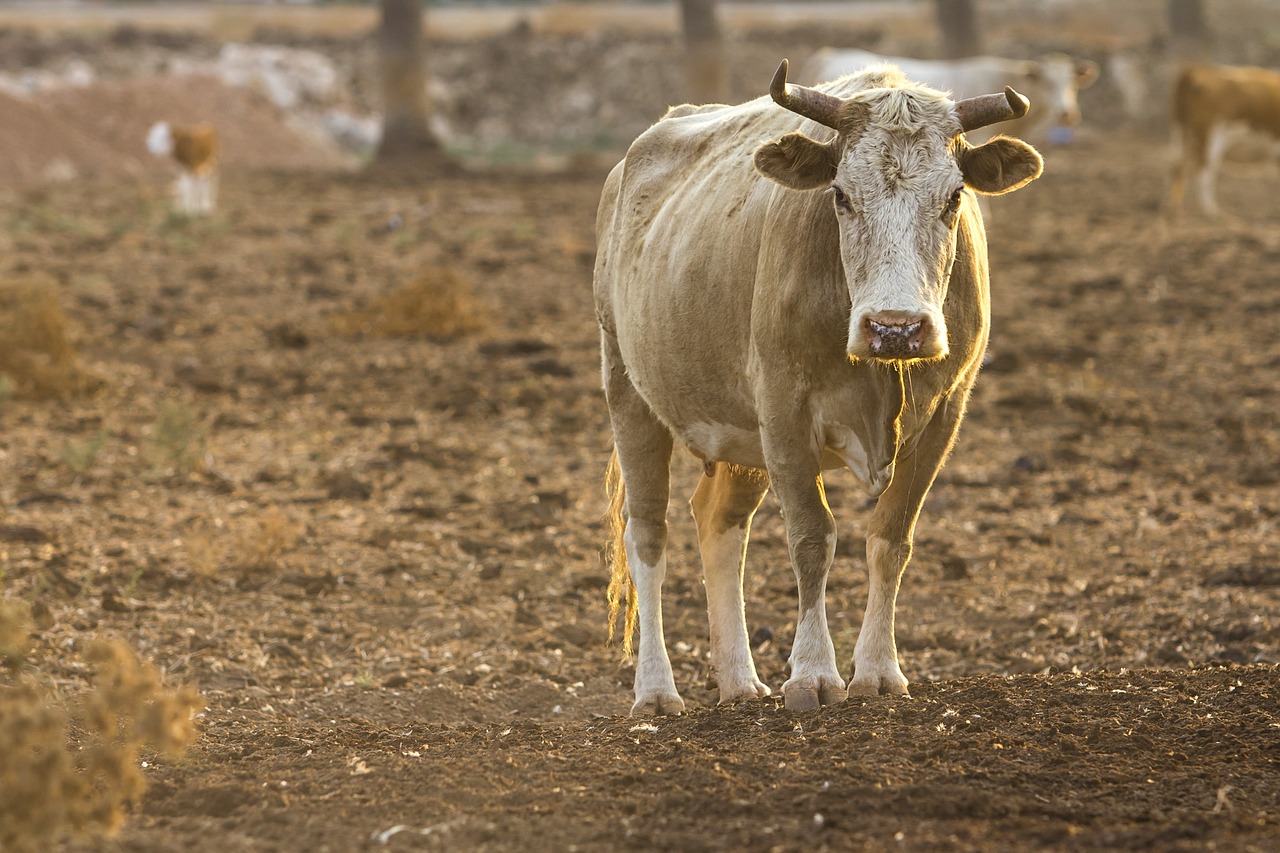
<point>682,110</point>
<point>691,138</point>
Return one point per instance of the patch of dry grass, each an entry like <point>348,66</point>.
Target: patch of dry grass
<point>71,768</point>
<point>262,542</point>
<point>439,303</point>
<point>177,438</point>
<point>37,358</point>
<point>254,547</point>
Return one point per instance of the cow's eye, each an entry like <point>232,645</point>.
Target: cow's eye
<point>953,205</point>
<point>842,200</point>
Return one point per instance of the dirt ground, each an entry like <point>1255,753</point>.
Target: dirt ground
<point>379,558</point>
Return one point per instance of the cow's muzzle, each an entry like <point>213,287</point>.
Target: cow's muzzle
<point>1069,117</point>
<point>896,337</point>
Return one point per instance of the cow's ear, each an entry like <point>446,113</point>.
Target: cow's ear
<point>1086,73</point>
<point>1002,165</point>
<point>798,162</point>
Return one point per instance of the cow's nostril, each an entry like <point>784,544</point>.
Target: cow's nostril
<point>895,339</point>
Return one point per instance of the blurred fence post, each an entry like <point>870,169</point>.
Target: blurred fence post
<point>705,72</point>
<point>401,54</point>
<point>1188,31</point>
<point>958,25</point>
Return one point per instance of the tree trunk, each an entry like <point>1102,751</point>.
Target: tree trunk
<point>958,24</point>
<point>405,132</point>
<point>1188,31</point>
<point>705,72</point>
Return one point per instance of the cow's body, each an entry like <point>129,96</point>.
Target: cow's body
<point>1050,83</point>
<point>776,337</point>
<point>1213,107</point>
<point>195,150</point>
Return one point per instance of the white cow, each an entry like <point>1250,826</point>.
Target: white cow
<point>1050,83</point>
<point>786,288</point>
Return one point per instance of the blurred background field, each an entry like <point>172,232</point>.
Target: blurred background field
<point>296,85</point>
<point>333,456</point>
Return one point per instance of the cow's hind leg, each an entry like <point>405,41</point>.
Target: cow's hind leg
<point>1196,151</point>
<point>644,455</point>
<point>723,506</point>
<point>1219,138</point>
<point>208,192</point>
<point>1187,152</point>
<point>184,189</point>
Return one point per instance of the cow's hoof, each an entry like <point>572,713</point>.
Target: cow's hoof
<point>657,705</point>
<point>809,694</point>
<point>753,689</point>
<point>881,685</point>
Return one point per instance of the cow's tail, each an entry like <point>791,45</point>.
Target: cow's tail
<point>622,592</point>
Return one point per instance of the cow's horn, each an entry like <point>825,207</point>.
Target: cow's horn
<point>810,103</point>
<point>989,109</point>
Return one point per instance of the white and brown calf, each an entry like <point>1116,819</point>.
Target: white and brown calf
<point>195,150</point>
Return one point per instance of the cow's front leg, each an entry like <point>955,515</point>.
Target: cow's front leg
<point>889,540</point>
<point>875,657</point>
<point>723,506</point>
<point>811,541</point>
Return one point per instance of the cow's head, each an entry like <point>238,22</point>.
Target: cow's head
<point>1057,77</point>
<point>897,172</point>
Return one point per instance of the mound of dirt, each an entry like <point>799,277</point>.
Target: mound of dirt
<point>39,144</point>
<point>97,131</point>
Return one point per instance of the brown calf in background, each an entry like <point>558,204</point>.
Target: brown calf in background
<point>195,149</point>
<point>1215,106</point>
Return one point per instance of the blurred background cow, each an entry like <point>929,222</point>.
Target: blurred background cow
<point>1050,82</point>
<point>195,150</point>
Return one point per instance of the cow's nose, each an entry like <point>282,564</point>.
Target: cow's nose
<point>895,337</point>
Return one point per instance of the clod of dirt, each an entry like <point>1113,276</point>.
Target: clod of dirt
<point>345,486</point>
<point>1249,574</point>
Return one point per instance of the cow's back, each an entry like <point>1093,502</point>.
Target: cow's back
<point>679,233</point>
<point>1205,95</point>
<point>196,148</point>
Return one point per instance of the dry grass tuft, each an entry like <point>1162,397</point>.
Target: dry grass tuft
<point>255,546</point>
<point>437,304</point>
<point>36,355</point>
<point>71,770</point>
<point>262,543</point>
<point>177,438</point>
<point>204,554</point>
<point>15,632</point>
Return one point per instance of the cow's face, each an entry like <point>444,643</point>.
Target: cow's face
<point>1056,79</point>
<point>896,176</point>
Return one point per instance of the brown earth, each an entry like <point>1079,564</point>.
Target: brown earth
<point>378,557</point>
